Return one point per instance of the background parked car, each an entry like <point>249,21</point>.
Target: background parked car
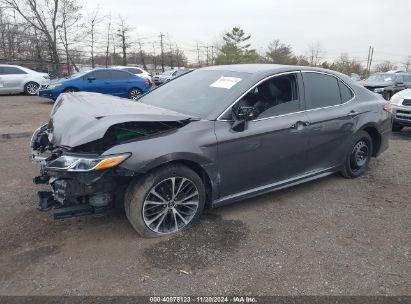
<point>168,75</point>
<point>136,71</point>
<point>387,84</point>
<point>355,77</point>
<point>16,79</point>
<point>401,110</point>
<point>106,81</point>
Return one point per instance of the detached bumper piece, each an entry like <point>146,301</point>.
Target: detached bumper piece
<point>72,198</point>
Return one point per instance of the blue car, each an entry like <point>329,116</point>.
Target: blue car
<point>107,81</point>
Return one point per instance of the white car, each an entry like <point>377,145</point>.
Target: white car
<point>169,75</point>
<point>16,79</point>
<point>401,110</point>
<point>136,71</point>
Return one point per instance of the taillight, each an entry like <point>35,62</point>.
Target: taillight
<point>146,81</point>
<point>388,107</point>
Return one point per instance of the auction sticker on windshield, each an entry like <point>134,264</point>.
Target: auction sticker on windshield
<point>225,82</point>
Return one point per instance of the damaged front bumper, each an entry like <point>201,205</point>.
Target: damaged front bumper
<point>81,184</point>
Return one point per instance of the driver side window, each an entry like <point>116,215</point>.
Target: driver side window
<point>273,97</point>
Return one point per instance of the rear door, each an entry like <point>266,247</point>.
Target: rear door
<point>333,113</point>
<point>121,82</point>
<point>12,79</point>
<point>98,81</point>
<point>273,146</point>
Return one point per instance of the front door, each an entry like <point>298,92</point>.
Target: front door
<point>272,148</point>
<point>98,81</point>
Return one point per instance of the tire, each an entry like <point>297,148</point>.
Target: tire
<point>70,90</point>
<point>135,93</point>
<point>359,155</point>
<point>396,127</point>
<point>31,88</point>
<point>158,215</point>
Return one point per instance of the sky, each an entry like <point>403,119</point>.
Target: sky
<point>340,26</point>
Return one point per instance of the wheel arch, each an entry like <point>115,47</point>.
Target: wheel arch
<point>71,87</point>
<point>375,135</point>
<point>205,172</point>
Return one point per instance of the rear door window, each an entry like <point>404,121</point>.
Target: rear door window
<point>322,90</point>
<point>117,75</point>
<point>134,70</point>
<point>11,71</point>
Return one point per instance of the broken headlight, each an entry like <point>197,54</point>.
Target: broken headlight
<point>79,164</point>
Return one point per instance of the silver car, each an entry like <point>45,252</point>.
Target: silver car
<point>16,79</point>
<point>168,75</point>
<point>401,110</point>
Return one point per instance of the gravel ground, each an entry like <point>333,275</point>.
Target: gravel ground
<point>329,237</point>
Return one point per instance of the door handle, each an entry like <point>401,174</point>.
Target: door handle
<point>107,82</point>
<point>300,124</point>
<point>353,113</point>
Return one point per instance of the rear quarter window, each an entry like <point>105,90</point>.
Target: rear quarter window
<point>346,93</point>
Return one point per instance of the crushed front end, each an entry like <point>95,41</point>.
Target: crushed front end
<point>81,183</point>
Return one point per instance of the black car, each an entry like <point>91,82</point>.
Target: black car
<point>387,84</point>
<point>211,137</point>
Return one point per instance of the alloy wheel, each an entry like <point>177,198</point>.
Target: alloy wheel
<point>170,205</point>
<point>135,94</point>
<point>32,88</point>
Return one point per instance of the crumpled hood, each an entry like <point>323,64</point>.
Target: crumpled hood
<point>376,84</point>
<point>82,117</point>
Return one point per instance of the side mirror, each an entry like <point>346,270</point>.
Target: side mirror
<point>241,116</point>
<point>91,78</point>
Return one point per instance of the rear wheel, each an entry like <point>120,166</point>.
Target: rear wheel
<point>359,157</point>
<point>397,127</point>
<point>164,201</point>
<point>135,93</point>
<point>31,88</point>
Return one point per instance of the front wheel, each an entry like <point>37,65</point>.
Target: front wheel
<point>135,93</point>
<point>164,201</point>
<point>31,88</point>
<point>359,157</point>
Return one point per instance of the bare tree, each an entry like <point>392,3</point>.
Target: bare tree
<point>109,34</point>
<point>347,65</point>
<point>123,33</point>
<point>315,53</point>
<point>385,66</point>
<point>407,64</point>
<point>43,15</point>
<point>92,23</point>
<point>70,18</point>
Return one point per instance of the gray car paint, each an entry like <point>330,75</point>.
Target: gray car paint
<point>269,154</point>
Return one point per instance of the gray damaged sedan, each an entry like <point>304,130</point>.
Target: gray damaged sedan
<point>211,137</point>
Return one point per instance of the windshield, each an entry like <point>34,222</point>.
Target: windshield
<point>196,93</point>
<point>381,77</point>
